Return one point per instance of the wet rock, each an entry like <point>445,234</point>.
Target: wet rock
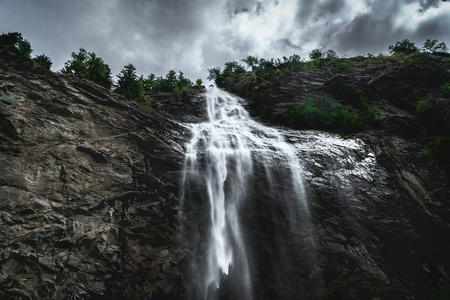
<point>83,209</point>
<point>379,204</point>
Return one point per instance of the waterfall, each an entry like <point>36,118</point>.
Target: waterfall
<point>245,176</point>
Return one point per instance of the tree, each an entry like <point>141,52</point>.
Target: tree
<point>128,84</point>
<point>432,46</point>
<point>316,54</point>
<point>251,61</point>
<point>233,67</point>
<point>15,39</point>
<point>198,83</point>
<point>88,65</point>
<point>404,46</point>
<point>294,58</point>
<point>330,54</point>
<point>215,75</point>
<point>43,61</point>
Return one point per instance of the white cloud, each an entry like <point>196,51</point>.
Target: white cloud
<point>192,36</point>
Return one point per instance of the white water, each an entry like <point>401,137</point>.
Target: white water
<point>222,158</point>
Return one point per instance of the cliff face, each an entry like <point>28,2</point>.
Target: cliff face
<point>88,191</point>
<point>381,229</point>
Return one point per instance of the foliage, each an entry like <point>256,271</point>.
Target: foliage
<point>312,64</point>
<point>323,112</point>
<point>16,40</point>
<point>128,84</point>
<point>342,65</point>
<point>43,61</point>
<point>233,67</point>
<point>439,147</point>
<point>446,87</point>
<point>330,54</point>
<point>404,46</point>
<point>433,46</point>
<point>88,65</point>
<point>251,61</point>
<point>172,83</point>
<point>422,107</point>
<point>316,54</point>
<point>198,83</point>
<point>215,75</point>
<point>266,111</point>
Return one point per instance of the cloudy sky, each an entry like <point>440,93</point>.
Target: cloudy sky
<point>194,35</point>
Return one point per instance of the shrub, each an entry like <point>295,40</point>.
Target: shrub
<point>439,148</point>
<point>432,46</point>
<point>323,112</point>
<point>15,39</point>
<point>316,54</point>
<point>342,66</point>
<point>88,65</point>
<point>198,83</point>
<point>404,46</point>
<point>43,61</point>
<point>446,87</point>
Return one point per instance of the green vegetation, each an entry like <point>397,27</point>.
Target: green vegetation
<point>323,112</point>
<point>15,39</point>
<point>433,46</point>
<point>87,65</point>
<point>316,54</point>
<point>260,77</point>
<point>142,90</point>
<point>172,83</point>
<point>42,61</point>
<point>446,87</point>
<point>128,84</point>
<point>404,46</point>
<point>439,148</point>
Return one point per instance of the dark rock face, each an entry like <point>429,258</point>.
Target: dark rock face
<point>88,191</point>
<point>89,188</point>
<point>379,205</point>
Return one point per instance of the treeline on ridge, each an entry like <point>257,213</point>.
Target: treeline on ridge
<point>89,66</point>
<point>345,105</point>
<point>259,75</point>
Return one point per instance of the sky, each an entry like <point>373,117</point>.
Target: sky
<point>191,36</point>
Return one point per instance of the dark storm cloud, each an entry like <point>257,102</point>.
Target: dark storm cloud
<point>426,4</point>
<point>192,36</point>
<point>375,27</point>
<point>234,7</point>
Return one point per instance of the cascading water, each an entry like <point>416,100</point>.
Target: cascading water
<point>251,181</point>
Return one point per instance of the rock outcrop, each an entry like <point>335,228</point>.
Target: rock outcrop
<point>380,203</point>
<point>88,191</point>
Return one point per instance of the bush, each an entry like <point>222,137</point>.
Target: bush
<point>316,54</point>
<point>342,66</point>
<point>439,148</point>
<point>88,65</point>
<point>432,46</point>
<point>323,112</point>
<point>43,61</point>
<point>446,87</point>
<point>404,46</point>
<point>15,39</point>
<point>172,83</point>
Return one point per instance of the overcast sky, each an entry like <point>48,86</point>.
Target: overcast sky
<point>195,35</point>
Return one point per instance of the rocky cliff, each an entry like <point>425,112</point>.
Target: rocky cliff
<point>88,191</point>
<point>380,208</point>
<point>89,187</point>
